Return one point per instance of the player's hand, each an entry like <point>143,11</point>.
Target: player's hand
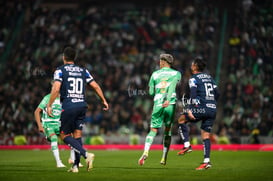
<point>191,116</point>
<point>106,106</point>
<point>41,129</point>
<point>166,104</point>
<point>49,110</point>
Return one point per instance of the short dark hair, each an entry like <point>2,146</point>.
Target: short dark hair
<point>69,54</point>
<point>200,63</point>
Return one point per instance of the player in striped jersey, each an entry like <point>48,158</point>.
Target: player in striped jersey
<point>50,126</point>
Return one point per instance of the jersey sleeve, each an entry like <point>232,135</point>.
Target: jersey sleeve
<point>58,75</point>
<point>88,76</point>
<point>216,91</point>
<point>44,102</point>
<point>193,88</point>
<point>152,86</point>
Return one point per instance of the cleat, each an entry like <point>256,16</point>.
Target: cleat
<point>60,165</point>
<point>185,150</point>
<point>73,169</point>
<point>81,165</point>
<point>70,161</point>
<point>163,161</point>
<point>204,166</point>
<point>142,159</point>
<point>89,161</point>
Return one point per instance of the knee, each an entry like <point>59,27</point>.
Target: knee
<point>167,132</point>
<point>182,119</point>
<point>53,138</point>
<point>205,135</point>
<point>77,133</point>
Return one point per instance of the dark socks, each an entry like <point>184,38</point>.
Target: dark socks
<point>75,145</point>
<point>183,132</point>
<point>206,143</point>
<point>77,155</point>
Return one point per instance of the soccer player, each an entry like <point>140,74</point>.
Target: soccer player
<point>50,126</point>
<point>162,86</point>
<point>201,107</point>
<point>70,82</point>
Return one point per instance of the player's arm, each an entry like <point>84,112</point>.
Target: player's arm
<point>171,89</point>
<point>216,91</point>
<point>55,91</point>
<point>193,88</point>
<point>99,92</point>
<point>37,115</point>
<point>151,86</point>
<point>193,96</point>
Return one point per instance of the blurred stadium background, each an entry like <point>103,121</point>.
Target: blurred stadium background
<point>119,42</point>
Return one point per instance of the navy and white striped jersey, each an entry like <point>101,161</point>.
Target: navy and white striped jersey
<point>74,80</point>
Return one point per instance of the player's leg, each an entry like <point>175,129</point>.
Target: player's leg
<point>207,145</point>
<point>168,121</point>
<point>79,151</point>
<point>77,134</point>
<point>72,158</point>
<point>148,142</point>
<point>184,134</point>
<point>206,142</point>
<point>166,145</point>
<point>68,126</point>
<point>51,135</point>
<point>156,122</point>
<point>206,127</point>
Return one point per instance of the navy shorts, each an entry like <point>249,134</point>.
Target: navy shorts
<point>72,119</point>
<point>205,115</point>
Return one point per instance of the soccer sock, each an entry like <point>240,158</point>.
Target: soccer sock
<point>77,155</point>
<point>54,147</point>
<point>75,145</point>
<point>166,142</point>
<point>206,144</point>
<point>184,133</point>
<point>149,140</point>
<point>72,154</point>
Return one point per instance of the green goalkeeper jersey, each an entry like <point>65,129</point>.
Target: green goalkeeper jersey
<point>162,85</point>
<point>56,110</point>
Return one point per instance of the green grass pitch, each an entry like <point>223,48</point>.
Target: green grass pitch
<point>121,165</point>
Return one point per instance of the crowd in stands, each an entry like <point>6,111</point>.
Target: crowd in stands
<point>121,47</point>
<point>248,92</point>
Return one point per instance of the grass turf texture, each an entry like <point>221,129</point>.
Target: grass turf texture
<point>121,165</point>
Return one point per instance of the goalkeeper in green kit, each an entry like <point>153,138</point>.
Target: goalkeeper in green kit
<point>162,86</point>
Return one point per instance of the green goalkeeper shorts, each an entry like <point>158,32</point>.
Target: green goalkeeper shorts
<point>162,115</point>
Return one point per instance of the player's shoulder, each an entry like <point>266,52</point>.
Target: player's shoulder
<point>177,72</point>
<point>46,98</point>
<point>156,72</point>
<point>47,95</point>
